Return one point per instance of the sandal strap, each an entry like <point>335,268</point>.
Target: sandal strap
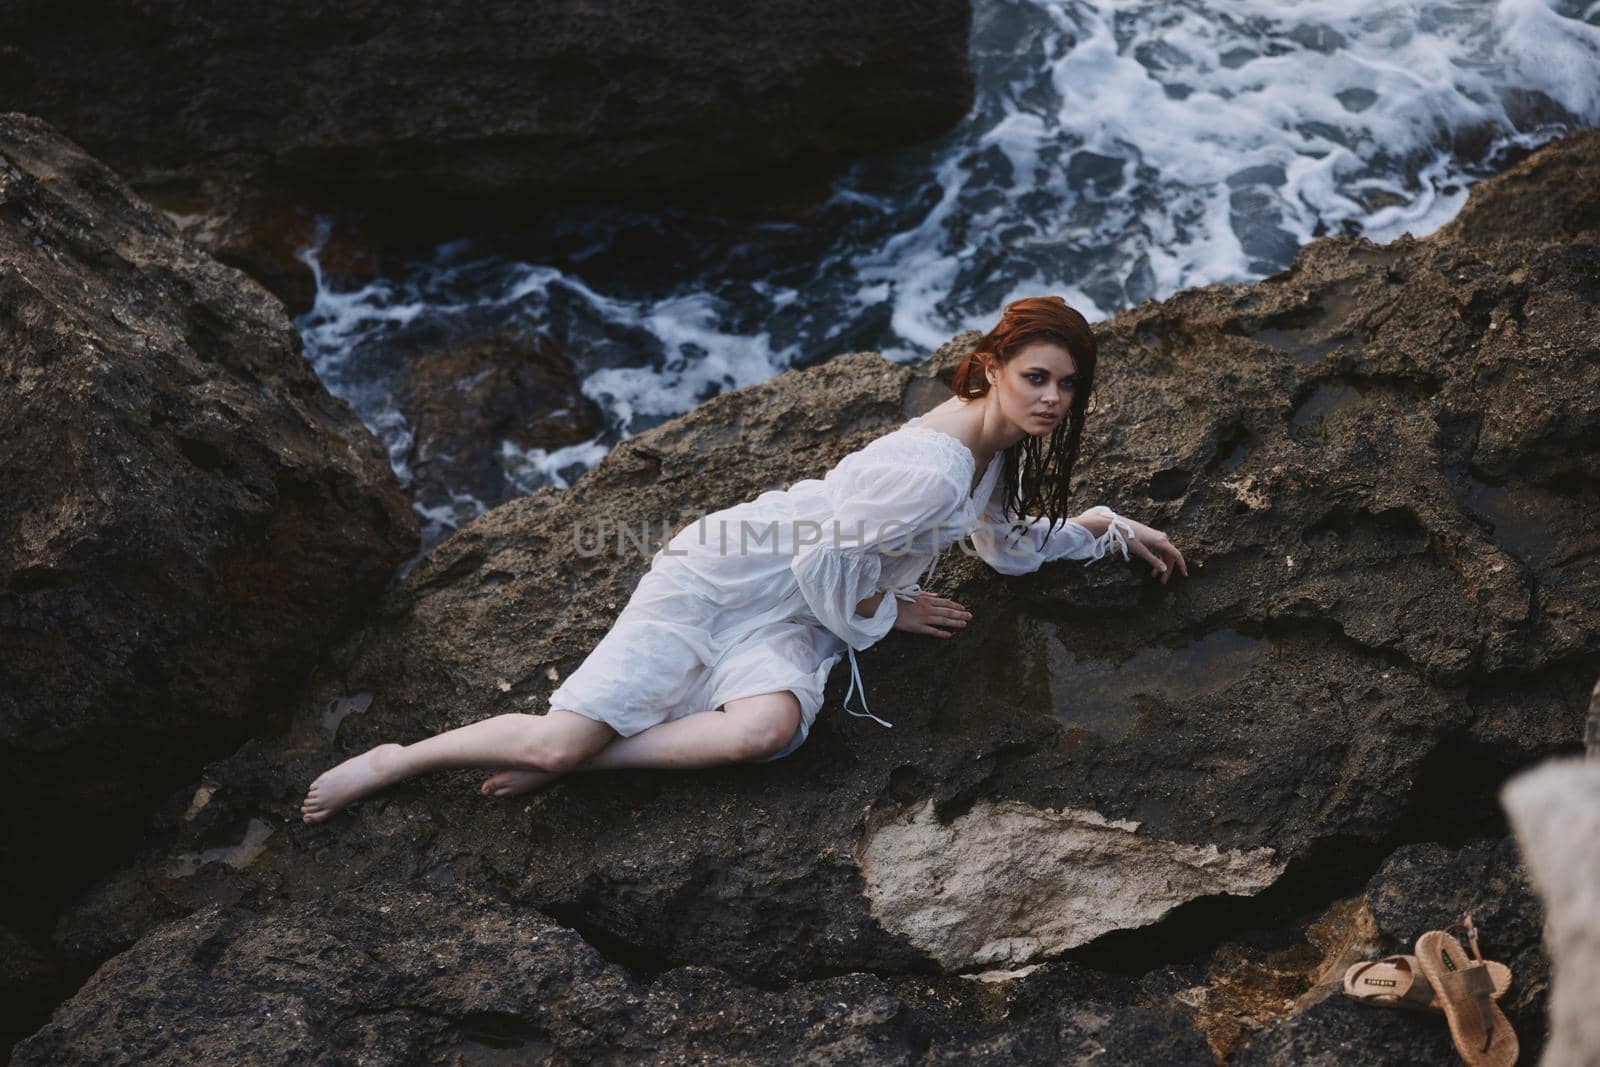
<point>1469,930</point>
<point>1473,981</point>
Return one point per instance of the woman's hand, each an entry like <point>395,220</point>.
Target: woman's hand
<point>1154,547</point>
<point>931,615</point>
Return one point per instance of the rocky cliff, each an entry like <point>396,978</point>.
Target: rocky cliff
<point>187,519</point>
<point>419,117</point>
<point>1114,820</point>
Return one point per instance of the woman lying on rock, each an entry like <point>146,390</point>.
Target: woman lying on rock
<point>746,612</point>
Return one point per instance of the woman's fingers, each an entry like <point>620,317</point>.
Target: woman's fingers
<point>1169,560</point>
<point>1142,550</point>
<point>943,625</point>
<point>937,616</point>
<point>943,608</point>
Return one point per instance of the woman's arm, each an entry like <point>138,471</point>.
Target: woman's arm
<point>936,616</point>
<point>1020,548</point>
<point>1095,522</point>
<point>877,503</point>
<point>1148,543</point>
<point>869,606</point>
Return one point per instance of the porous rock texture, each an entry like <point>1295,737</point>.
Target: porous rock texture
<point>1379,464</point>
<point>187,517</point>
<point>388,974</point>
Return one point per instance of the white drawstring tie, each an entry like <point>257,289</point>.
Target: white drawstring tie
<point>900,592</point>
<point>1113,537</point>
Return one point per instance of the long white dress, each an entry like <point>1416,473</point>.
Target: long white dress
<point>760,597</point>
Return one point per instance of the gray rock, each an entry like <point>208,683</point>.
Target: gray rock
<point>1591,730</point>
<point>188,516</point>
<point>1377,463</point>
<point>389,974</point>
<point>1006,883</point>
<point>1338,1031</point>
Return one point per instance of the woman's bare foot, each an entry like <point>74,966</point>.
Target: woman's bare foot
<point>513,783</point>
<point>356,777</point>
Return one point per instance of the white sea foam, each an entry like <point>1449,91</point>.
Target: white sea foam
<point>531,468</point>
<point>1118,150</point>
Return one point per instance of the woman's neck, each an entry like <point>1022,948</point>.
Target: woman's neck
<point>979,424</point>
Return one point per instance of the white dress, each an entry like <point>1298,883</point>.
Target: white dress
<point>760,597</point>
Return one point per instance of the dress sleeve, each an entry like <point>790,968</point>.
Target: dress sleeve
<point>1022,547</point>
<point>876,509</point>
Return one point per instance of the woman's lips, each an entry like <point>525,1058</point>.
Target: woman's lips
<point>1047,417</point>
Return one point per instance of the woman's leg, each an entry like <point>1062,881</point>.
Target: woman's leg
<point>751,728</point>
<point>553,743</point>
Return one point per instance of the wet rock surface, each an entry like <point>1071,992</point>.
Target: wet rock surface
<point>482,414</point>
<point>429,106</point>
<point>188,516</point>
<point>1379,465</point>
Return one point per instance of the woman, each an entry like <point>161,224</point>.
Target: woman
<point>722,653</point>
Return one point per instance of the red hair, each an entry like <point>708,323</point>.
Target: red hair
<point>1038,470</point>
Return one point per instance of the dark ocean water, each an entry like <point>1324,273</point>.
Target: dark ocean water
<point>1116,151</point>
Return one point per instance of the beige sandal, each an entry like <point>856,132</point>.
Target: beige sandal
<point>1395,982</point>
<point>1465,989</point>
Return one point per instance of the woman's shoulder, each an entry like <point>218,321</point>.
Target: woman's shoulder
<point>914,444</point>
<point>911,458</point>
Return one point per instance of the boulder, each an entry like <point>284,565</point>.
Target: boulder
<point>414,123</point>
<point>391,974</point>
<point>417,104</point>
<point>188,517</point>
<point>486,416</point>
<point>1379,465</point>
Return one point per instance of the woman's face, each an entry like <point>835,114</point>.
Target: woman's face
<point>1035,387</point>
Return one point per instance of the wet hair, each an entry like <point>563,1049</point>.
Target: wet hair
<point>1038,470</point>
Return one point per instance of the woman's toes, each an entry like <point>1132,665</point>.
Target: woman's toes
<point>513,783</point>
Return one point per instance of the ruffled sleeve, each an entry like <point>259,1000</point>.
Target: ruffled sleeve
<point>875,510</point>
<point>1013,547</point>
<point>877,507</point>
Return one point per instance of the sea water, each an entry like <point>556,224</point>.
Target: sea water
<point>1118,150</point>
